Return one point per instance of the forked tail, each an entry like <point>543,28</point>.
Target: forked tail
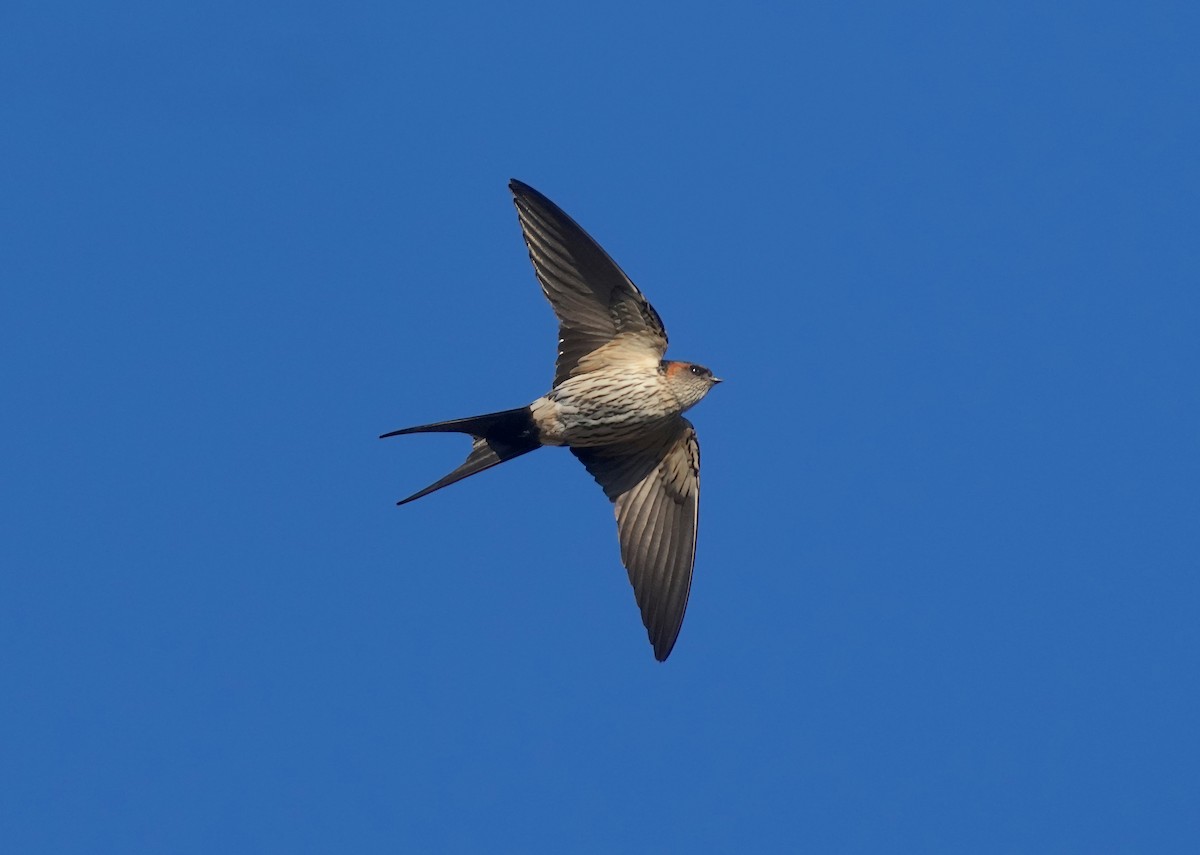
<point>498,437</point>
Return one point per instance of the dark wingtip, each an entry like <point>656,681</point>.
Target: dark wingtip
<point>521,190</point>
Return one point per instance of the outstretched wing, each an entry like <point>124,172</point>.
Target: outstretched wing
<point>655,485</point>
<point>596,303</point>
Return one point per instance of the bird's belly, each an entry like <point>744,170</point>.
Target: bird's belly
<point>593,410</point>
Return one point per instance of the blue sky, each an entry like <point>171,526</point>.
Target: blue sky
<point>945,256</point>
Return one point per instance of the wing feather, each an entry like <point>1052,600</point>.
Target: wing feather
<point>595,302</point>
<point>655,487</point>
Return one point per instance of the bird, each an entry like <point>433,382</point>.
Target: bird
<point>616,402</point>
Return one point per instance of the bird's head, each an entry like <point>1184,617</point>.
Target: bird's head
<point>689,382</point>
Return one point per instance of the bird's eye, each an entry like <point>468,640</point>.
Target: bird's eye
<point>697,370</point>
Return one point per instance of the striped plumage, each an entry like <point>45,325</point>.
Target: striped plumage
<point>616,403</point>
<point>612,405</point>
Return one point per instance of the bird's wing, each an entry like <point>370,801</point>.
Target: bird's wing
<point>655,485</point>
<point>596,303</point>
